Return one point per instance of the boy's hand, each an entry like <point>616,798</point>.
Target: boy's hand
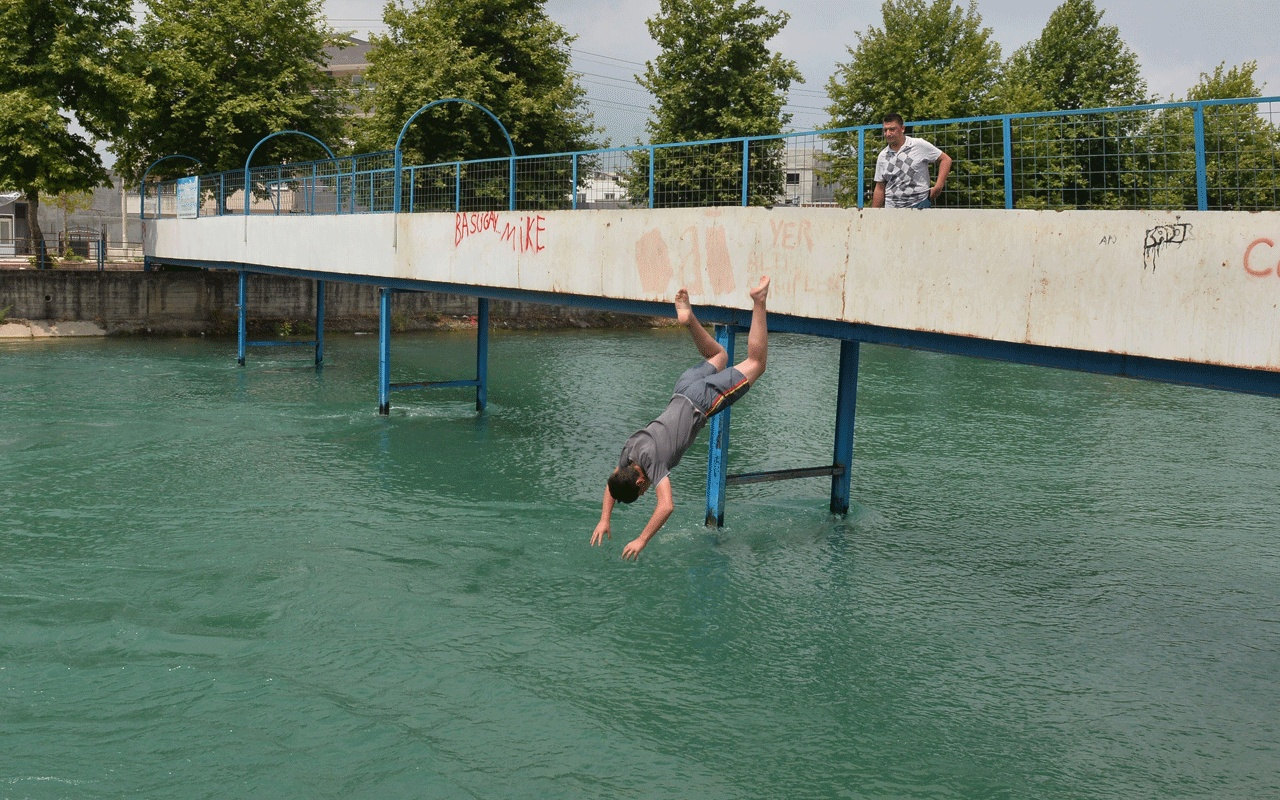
<point>632,551</point>
<point>601,533</point>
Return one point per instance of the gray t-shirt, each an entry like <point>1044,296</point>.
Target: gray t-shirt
<point>905,174</point>
<point>658,446</point>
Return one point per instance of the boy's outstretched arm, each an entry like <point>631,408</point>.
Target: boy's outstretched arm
<point>661,512</point>
<point>602,531</point>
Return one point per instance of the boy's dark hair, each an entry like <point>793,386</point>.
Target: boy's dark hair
<point>622,483</point>
<point>894,118</point>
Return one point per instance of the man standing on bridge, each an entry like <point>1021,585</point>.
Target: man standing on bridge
<point>902,169</point>
<point>701,392</point>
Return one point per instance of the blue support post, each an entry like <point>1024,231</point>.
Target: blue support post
<point>1202,170</point>
<point>102,251</point>
<point>222,192</point>
<point>242,328</point>
<point>718,452</point>
<point>574,185</point>
<point>746,169</point>
<point>482,354</point>
<point>384,352</point>
<point>651,155</point>
<point>511,176</point>
<point>411,182</point>
<point>846,405</point>
<point>457,186</point>
<point>862,176</point>
<point>319,323</point>
<point>1008,161</point>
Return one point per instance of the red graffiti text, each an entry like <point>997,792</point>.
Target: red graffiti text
<point>1249,259</point>
<point>525,234</point>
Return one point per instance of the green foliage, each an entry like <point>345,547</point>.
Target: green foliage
<point>1076,63</point>
<point>1242,149</point>
<point>59,60</point>
<point>715,78</point>
<point>506,55</point>
<point>225,74</point>
<point>4,314</point>
<point>929,61</point>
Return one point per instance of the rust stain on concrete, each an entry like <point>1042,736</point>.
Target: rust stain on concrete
<point>653,262</point>
<point>719,269</point>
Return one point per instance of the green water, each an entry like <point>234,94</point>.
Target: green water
<point>223,582</point>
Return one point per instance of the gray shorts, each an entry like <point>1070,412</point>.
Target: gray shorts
<point>712,391</point>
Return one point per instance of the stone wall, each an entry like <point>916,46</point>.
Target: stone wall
<point>200,301</point>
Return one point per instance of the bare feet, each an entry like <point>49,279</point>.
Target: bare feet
<point>758,294</point>
<point>684,311</point>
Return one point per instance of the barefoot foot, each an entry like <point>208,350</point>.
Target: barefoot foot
<point>759,293</point>
<point>684,311</point>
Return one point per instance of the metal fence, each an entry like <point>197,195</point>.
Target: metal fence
<point>1206,155</point>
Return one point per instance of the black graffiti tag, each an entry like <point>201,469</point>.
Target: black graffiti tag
<point>1161,237</point>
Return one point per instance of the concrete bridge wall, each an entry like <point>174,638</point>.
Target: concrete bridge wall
<point>1191,286</point>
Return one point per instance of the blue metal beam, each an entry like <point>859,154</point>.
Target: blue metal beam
<point>482,354</point>
<point>384,352</point>
<point>1210,376</point>
<point>242,325</point>
<point>718,452</point>
<point>846,406</point>
<point>319,323</point>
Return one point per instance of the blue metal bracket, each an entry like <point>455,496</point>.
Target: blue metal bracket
<point>385,386</point>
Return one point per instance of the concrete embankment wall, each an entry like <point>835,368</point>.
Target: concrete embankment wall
<point>189,302</point>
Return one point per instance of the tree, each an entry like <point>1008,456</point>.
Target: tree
<point>223,76</point>
<point>1076,63</point>
<point>506,55</point>
<point>715,79</point>
<point>60,60</point>
<point>929,61</point>
<point>1242,149</point>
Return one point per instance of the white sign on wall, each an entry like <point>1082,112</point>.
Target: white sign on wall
<point>188,197</point>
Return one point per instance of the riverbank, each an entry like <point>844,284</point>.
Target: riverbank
<point>203,302</point>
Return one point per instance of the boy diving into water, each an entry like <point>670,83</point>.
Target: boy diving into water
<point>701,392</point>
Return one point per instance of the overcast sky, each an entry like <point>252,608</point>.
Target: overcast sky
<point>1175,40</point>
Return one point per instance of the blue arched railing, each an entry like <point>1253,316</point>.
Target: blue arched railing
<point>1210,154</point>
<point>142,185</point>
<point>249,160</point>
<point>405,128</point>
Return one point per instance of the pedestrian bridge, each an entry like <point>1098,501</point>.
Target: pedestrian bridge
<point>1190,297</point>
<point>1186,290</point>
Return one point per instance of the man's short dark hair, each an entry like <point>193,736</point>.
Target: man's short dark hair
<point>893,118</point>
<point>623,483</point>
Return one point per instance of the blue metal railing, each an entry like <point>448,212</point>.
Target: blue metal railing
<point>1206,155</point>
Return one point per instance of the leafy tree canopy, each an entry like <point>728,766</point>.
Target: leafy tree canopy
<point>1077,62</point>
<point>223,76</point>
<point>716,77</point>
<point>929,61</point>
<point>506,55</point>
<point>60,60</point>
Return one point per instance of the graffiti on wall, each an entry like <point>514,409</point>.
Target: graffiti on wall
<point>1261,264</point>
<point>1161,238</point>
<point>525,233</point>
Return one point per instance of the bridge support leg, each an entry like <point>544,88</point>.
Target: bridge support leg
<point>384,352</point>
<point>319,323</point>
<point>718,454</point>
<point>482,354</point>
<point>846,404</point>
<point>242,327</point>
